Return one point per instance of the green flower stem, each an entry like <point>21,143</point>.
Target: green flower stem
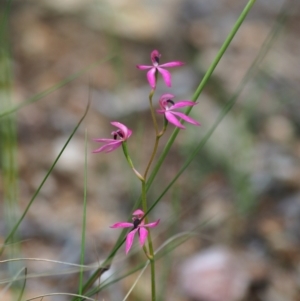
<point>82,253</point>
<point>152,112</point>
<point>150,256</point>
<point>126,154</point>
<point>152,265</point>
<point>144,197</point>
<point>158,134</point>
<point>164,127</point>
<point>153,154</point>
<point>201,87</point>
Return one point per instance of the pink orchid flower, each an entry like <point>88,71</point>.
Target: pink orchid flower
<point>168,109</point>
<point>119,136</point>
<point>151,74</point>
<point>138,226</point>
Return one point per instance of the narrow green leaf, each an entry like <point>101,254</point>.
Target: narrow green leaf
<point>200,88</point>
<point>24,285</point>
<point>16,226</point>
<point>83,219</point>
<point>269,41</point>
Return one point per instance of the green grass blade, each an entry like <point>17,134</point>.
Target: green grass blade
<point>23,287</point>
<point>13,231</point>
<point>4,20</point>
<point>8,144</point>
<point>83,220</point>
<point>56,86</point>
<point>201,87</point>
<point>269,41</point>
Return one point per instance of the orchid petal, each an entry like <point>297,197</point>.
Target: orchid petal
<point>143,67</point>
<point>172,119</point>
<point>138,213</point>
<point>163,100</point>
<point>143,233</point>
<point>109,147</point>
<point>186,118</point>
<point>152,225</point>
<point>125,130</point>
<point>155,54</point>
<point>166,97</point>
<point>151,77</point>
<point>129,240</point>
<point>104,140</point>
<point>183,103</point>
<point>172,64</point>
<point>161,111</point>
<point>122,225</point>
<point>166,76</point>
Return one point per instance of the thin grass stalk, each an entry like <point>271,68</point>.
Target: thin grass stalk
<point>82,251</point>
<point>200,88</point>
<point>16,226</point>
<point>8,138</point>
<point>23,286</point>
<point>269,41</point>
<point>10,283</point>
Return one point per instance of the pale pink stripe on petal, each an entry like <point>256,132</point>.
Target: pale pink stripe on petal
<point>183,103</point>
<point>104,140</point>
<point>186,118</point>
<point>151,225</point>
<point>172,119</point>
<point>108,147</point>
<point>143,67</point>
<point>151,77</point>
<point>166,76</point>
<point>122,225</point>
<point>129,240</point>
<point>172,64</point>
<point>143,235</point>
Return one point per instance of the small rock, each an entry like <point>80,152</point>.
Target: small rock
<point>214,275</point>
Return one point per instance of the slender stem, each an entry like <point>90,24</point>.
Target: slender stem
<point>158,134</point>
<point>153,287</point>
<point>152,265</point>
<point>125,151</point>
<point>144,198</point>
<point>83,220</point>
<point>152,112</point>
<point>152,156</point>
<point>149,255</point>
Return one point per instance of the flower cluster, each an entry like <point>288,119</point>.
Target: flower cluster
<point>169,109</point>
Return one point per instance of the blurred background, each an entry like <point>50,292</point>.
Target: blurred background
<point>240,197</point>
